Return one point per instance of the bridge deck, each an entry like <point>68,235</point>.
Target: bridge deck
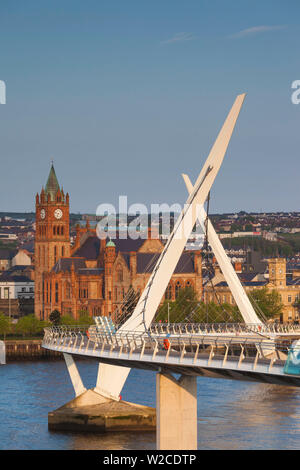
<point>253,358</point>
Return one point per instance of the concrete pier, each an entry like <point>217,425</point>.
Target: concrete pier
<point>176,405</point>
<point>90,412</point>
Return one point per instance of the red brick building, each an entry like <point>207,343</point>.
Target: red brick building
<point>95,275</point>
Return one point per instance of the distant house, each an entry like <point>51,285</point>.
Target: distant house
<point>16,295</point>
<point>9,258</point>
<point>21,258</point>
<point>6,256</point>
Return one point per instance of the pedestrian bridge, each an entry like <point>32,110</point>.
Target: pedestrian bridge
<point>229,351</point>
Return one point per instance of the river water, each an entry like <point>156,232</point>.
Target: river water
<point>231,415</point>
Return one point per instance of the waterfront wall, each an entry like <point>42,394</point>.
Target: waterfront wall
<point>28,349</point>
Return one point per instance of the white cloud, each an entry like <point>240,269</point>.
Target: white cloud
<point>179,37</point>
<point>257,30</point>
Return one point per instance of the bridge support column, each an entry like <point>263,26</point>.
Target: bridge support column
<point>176,412</point>
<point>74,375</point>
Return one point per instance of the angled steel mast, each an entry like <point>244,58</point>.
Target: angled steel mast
<point>228,271</point>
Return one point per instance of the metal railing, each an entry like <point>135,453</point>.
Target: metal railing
<point>78,339</point>
<point>219,328</point>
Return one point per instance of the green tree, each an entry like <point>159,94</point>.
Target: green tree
<point>67,320</point>
<point>187,308</point>
<point>266,300</point>
<point>29,325</point>
<point>5,325</point>
<point>54,317</point>
<point>177,311</point>
<point>84,319</point>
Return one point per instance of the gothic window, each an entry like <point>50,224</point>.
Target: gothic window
<point>169,292</point>
<point>56,292</point>
<point>83,293</point>
<point>120,275</point>
<point>61,230</point>
<point>68,290</point>
<point>177,288</point>
<point>62,251</point>
<point>55,254</point>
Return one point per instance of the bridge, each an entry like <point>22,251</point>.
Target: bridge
<point>240,357</point>
<point>191,350</point>
<point>254,350</point>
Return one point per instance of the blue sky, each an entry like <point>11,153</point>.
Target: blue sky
<point>124,96</point>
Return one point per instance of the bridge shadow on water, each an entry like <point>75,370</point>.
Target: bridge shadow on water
<point>231,415</point>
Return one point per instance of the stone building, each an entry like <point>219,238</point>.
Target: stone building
<point>287,284</point>
<point>94,276</point>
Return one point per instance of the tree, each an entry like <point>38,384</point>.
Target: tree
<point>267,301</point>
<point>30,325</point>
<point>67,320</point>
<point>177,311</point>
<point>5,325</point>
<point>54,317</point>
<point>84,319</point>
<point>187,308</point>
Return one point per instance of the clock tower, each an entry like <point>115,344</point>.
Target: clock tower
<point>52,237</point>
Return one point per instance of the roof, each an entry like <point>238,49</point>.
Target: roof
<point>245,284</point>
<point>89,249</point>
<point>14,278</point>
<point>247,276</point>
<point>65,264</point>
<point>90,271</point>
<point>52,185</point>
<point>146,262</point>
<point>5,253</point>
<point>91,246</point>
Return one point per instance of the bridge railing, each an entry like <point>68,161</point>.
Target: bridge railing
<point>78,339</point>
<point>219,328</point>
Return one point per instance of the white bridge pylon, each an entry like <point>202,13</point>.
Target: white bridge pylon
<point>235,286</point>
<point>111,379</point>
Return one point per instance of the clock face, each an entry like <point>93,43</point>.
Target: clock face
<point>58,214</point>
<point>43,213</point>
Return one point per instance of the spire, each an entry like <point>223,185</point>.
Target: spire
<point>52,185</point>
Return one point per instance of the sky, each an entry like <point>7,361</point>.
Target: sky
<point>125,96</point>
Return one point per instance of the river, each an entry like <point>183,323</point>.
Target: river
<point>231,415</point>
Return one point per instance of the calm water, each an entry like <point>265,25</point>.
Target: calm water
<point>231,415</point>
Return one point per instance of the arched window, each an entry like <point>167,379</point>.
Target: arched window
<point>120,274</point>
<point>61,230</point>
<point>68,290</point>
<point>56,292</point>
<point>177,288</point>
<point>169,292</point>
<point>62,251</point>
<point>55,253</point>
